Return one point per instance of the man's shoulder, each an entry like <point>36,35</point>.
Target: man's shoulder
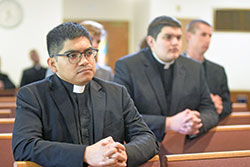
<point>212,64</point>
<point>135,56</point>
<point>107,86</point>
<point>40,85</point>
<point>188,62</point>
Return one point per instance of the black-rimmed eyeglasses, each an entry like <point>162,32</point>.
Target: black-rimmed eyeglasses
<point>76,56</point>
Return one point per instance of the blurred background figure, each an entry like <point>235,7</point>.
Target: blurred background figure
<point>98,33</point>
<point>34,73</point>
<point>5,82</point>
<point>199,34</point>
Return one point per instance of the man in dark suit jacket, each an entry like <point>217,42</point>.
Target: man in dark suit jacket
<point>5,82</point>
<point>70,119</point>
<point>170,91</point>
<point>35,73</point>
<point>199,33</point>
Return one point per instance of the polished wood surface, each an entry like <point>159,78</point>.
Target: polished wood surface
<point>220,138</point>
<point>25,164</point>
<point>153,162</point>
<point>6,125</point>
<point>236,118</point>
<point>6,156</point>
<point>214,159</point>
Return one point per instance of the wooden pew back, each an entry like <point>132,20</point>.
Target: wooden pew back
<point>6,156</point>
<point>5,113</point>
<point>236,118</point>
<point>6,125</point>
<point>7,106</point>
<point>214,159</point>
<point>153,162</point>
<point>220,138</point>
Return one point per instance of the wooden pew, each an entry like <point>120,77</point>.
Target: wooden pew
<point>239,107</point>
<point>6,156</point>
<point>5,113</point>
<point>25,164</point>
<point>241,99</point>
<point>8,106</point>
<point>8,99</point>
<point>236,118</point>
<point>153,162</point>
<point>6,125</point>
<point>220,138</point>
<point>214,159</point>
<point>8,92</point>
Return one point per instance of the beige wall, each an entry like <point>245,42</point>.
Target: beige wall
<point>15,43</point>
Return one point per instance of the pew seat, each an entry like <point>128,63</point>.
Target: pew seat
<point>214,159</point>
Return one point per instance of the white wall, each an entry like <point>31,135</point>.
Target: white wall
<point>15,44</point>
<point>228,49</point>
<point>102,10</point>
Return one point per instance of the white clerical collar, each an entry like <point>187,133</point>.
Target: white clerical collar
<point>166,64</point>
<point>78,88</point>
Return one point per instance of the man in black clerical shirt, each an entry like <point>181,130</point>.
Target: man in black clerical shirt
<point>73,119</point>
<point>169,90</point>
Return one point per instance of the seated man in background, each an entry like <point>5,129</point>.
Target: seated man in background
<point>73,119</point>
<point>169,90</point>
<point>96,32</point>
<point>5,82</point>
<point>35,73</point>
<point>199,33</point>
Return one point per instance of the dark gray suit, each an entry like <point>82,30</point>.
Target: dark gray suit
<point>217,83</point>
<point>45,127</point>
<point>189,90</point>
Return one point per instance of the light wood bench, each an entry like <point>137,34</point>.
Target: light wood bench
<point>236,118</point>
<point>212,159</point>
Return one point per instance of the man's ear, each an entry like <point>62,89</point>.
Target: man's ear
<point>52,64</point>
<point>188,35</point>
<point>150,41</point>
